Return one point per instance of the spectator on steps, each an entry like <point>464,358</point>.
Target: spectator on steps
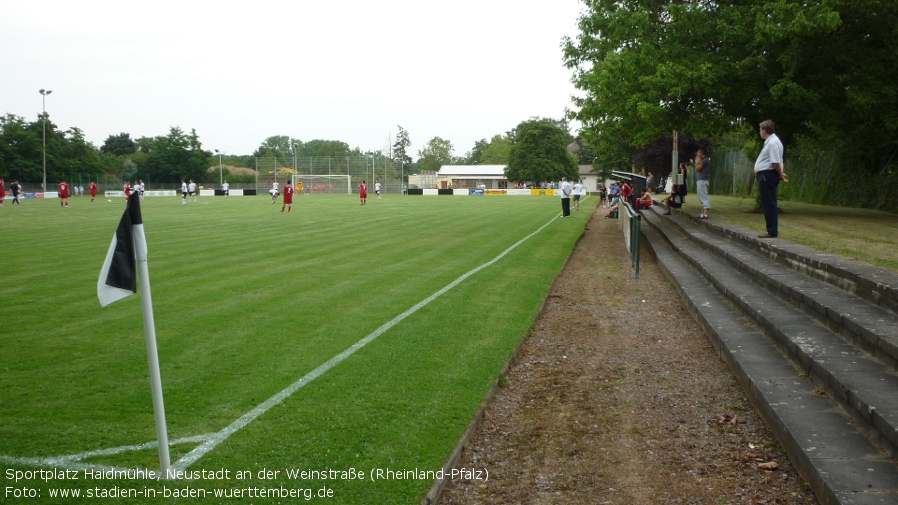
<point>678,192</point>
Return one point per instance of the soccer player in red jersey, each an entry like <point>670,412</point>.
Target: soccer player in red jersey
<point>363,192</point>
<point>64,193</point>
<point>93,191</point>
<point>2,191</point>
<point>127,189</point>
<point>288,197</point>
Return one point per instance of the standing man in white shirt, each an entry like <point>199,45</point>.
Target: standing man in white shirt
<point>377,188</point>
<point>578,190</point>
<point>769,171</point>
<point>566,191</point>
<point>225,187</point>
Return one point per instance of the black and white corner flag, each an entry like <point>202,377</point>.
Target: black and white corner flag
<point>118,277</point>
<point>125,262</point>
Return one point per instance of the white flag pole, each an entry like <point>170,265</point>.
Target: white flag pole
<point>149,328</point>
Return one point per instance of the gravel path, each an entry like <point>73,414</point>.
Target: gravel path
<point>618,398</point>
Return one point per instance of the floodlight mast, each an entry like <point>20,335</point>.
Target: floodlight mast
<point>220,176</point>
<point>44,93</point>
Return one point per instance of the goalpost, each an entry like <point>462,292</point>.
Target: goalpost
<point>324,183</point>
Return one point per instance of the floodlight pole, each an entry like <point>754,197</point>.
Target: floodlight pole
<point>220,176</point>
<point>294,158</point>
<point>44,93</point>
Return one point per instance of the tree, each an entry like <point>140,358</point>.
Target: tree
<point>315,148</point>
<point>77,156</point>
<point>401,147</point>
<point>119,145</point>
<point>497,152</point>
<point>20,149</point>
<point>540,154</point>
<point>586,155</point>
<point>656,157</point>
<point>176,156</point>
<point>475,155</point>
<point>648,67</point>
<point>280,146</point>
<point>436,153</point>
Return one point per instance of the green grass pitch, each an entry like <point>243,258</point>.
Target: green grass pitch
<point>248,300</point>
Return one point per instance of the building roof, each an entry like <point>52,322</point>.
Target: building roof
<point>490,171</point>
<point>472,171</point>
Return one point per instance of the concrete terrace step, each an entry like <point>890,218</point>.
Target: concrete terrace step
<point>874,284</point>
<point>737,308</point>
<point>834,301</point>
<point>843,369</point>
<point>866,386</point>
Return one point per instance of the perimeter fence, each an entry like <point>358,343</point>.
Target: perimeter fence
<point>267,170</point>
<point>815,176</point>
<point>390,174</point>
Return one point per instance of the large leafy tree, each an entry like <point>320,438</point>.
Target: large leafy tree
<point>280,146</point>
<point>176,156</point>
<point>436,153</point>
<point>20,149</point>
<point>68,154</point>
<point>119,145</point>
<point>315,148</point>
<point>648,67</point>
<point>475,155</point>
<point>540,153</point>
<point>77,156</point>
<point>497,152</point>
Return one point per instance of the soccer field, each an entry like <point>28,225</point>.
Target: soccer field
<point>255,311</point>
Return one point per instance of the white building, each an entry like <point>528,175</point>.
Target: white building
<point>590,179</point>
<point>472,176</point>
<point>493,177</point>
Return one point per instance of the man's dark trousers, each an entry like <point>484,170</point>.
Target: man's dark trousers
<point>768,182</point>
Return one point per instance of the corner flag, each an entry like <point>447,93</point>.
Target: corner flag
<point>118,277</point>
<point>125,262</point>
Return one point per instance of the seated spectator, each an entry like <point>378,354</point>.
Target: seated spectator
<point>678,192</point>
<point>644,201</point>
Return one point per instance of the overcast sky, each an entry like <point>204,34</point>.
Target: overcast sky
<point>239,73</point>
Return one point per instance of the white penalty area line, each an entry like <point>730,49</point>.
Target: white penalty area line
<point>217,438</point>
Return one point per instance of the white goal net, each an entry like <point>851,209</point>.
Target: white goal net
<point>323,184</point>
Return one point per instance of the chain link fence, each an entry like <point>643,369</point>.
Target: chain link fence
<point>370,169</point>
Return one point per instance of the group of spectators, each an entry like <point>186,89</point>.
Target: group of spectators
<point>622,191</point>
<point>769,171</point>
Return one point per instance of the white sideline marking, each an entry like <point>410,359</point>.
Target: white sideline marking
<point>211,440</point>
